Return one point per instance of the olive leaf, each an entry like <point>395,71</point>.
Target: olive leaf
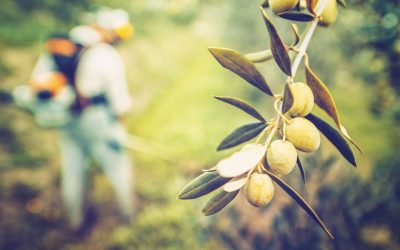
<point>243,67</point>
<point>202,185</point>
<point>278,48</point>
<point>334,137</point>
<point>322,96</point>
<point>342,2</point>
<point>242,134</point>
<point>296,197</point>
<point>287,98</point>
<point>311,4</point>
<point>235,183</point>
<point>240,104</point>
<point>324,99</point>
<point>261,56</point>
<point>295,29</point>
<point>346,134</point>
<point>218,202</point>
<point>241,162</point>
<point>297,16</point>
<point>301,169</point>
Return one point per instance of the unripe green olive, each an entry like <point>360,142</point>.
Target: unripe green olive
<point>303,134</point>
<point>279,6</point>
<point>329,13</point>
<point>303,99</point>
<point>259,189</point>
<point>281,157</point>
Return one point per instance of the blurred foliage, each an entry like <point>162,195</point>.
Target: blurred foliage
<point>379,37</point>
<point>24,22</point>
<point>173,77</point>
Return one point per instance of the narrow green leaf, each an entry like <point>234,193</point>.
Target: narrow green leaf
<point>302,171</point>
<point>240,104</point>
<point>235,183</point>
<point>311,4</point>
<point>287,99</point>
<point>296,197</point>
<point>322,96</point>
<point>202,185</point>
<point>334,137</point>
<point>218,202</point>
<point>342,2</point>
<point>345,134</point>
<point>241,162</point>
<point>243,67</point>
<point>278,48</point>
<point>242,134</point>
<point>297,16</point>
<point>295,29</point>
<point>324,99</point>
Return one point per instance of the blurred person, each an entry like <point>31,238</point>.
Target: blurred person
<point>79,86</point>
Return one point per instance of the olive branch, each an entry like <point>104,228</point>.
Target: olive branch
<point>258,165</point>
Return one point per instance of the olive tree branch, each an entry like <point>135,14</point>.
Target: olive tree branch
<point>261,56</point>
<point>307,38</point>
<point>296,62</point>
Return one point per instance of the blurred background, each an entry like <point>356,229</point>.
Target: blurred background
<point>172,79</point>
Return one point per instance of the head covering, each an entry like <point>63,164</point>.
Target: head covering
<point>115,20</point>
<point>85,35</point>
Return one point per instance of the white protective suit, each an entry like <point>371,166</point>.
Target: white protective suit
<point>94,132</point>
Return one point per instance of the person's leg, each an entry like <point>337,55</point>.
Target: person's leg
<point>116,164</point>
<point>73,182</point>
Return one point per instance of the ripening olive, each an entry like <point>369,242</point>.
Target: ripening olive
<point>281,157</point>
<point>329,13</point>
<point>259,189</point>
<point>303,99</point>
<point>279,6</point>
<point>303,134</point>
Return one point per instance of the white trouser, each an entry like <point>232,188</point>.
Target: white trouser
<point>94,133</point>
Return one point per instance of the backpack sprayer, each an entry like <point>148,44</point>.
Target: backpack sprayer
<point>48,100</point>
<point>52,110</point>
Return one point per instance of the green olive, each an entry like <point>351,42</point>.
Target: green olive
<point>259,189</point>
<point>329,13</point>
<point>279,6</point>
<point>303,99</point>
<point>281,157</point>
<point>303,134</point>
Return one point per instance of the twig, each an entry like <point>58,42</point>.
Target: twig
<point>296,63</point>
<point>307,38</point>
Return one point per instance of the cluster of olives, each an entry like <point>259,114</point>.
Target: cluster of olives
<point>281,156</point>
<point>328,15</point>
<point>258,165</point>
